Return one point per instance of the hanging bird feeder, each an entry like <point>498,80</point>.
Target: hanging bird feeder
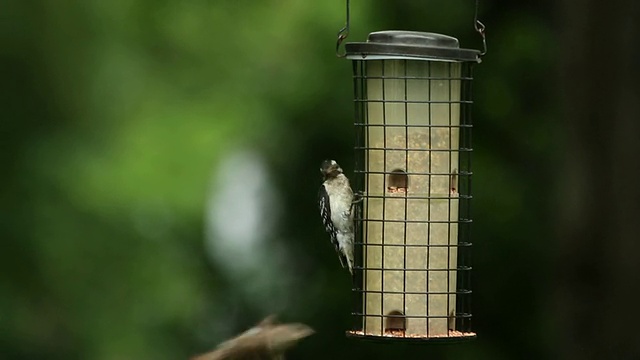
<point>413,167</point>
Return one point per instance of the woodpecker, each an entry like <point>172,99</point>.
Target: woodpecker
<point>336,201</point>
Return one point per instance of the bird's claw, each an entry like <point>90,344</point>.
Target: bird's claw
<point>358,197</point>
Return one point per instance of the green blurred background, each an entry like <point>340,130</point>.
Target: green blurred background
<point>160,170</point>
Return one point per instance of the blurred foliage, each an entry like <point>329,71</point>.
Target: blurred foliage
<point>118,114</point>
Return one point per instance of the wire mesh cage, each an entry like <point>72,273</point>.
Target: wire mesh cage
<point>412,94</point>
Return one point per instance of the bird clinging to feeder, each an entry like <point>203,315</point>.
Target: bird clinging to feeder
<point>336,202</point>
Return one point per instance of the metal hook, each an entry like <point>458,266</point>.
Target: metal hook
<point>343,33</point>
<point>480,28</point>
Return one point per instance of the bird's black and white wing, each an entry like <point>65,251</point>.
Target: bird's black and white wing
<point>325,212</point>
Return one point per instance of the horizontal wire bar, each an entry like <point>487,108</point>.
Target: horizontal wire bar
<point>360,77</point>
<point>457,316</point>
<point>461,173</point>
<point>413,149</point>
<point>385,292</point>
<point>466,268</point>
<point>415,125</point>
<point>461,197</point>
<point>461,221</point>
<point>466,244</point>
<point>414,101</point>
<point>396,196</point>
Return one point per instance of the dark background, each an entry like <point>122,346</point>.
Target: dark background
<point>160,169</point>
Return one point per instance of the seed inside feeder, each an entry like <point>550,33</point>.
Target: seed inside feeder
<point>396,323</point>
<point>398,182</point>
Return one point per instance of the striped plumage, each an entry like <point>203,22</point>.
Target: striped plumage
<point>335,199</point>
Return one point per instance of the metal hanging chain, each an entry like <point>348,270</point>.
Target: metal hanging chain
<point>343,33</point>
<point>480,28</point>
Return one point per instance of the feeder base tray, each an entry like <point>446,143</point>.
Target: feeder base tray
<point>453,335</point>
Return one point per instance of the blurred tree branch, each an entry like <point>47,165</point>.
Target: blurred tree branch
<point>597,274</point>
<point>266,340</point>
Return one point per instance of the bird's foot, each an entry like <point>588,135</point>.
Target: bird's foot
<point>358,197</point>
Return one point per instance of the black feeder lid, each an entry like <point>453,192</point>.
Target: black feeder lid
<point>410,45</point>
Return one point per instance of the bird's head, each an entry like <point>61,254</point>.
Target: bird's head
<point>330,169</point>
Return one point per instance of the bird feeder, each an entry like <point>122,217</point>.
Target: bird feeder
<point>413,167</point>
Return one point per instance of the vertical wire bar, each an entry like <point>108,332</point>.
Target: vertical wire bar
<point>406,194</point>
<point>428,249</point>
<point>448,272</point>
<point>470,121</point>
<point>465,215</point>
<point>355,183</point>
<point>462,227</point>
<point>354,66</point>
<point>365,108</point>
<point>384,199</point>
<point>357,89</point>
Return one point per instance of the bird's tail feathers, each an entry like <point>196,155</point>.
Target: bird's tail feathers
<point>344,261</point>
